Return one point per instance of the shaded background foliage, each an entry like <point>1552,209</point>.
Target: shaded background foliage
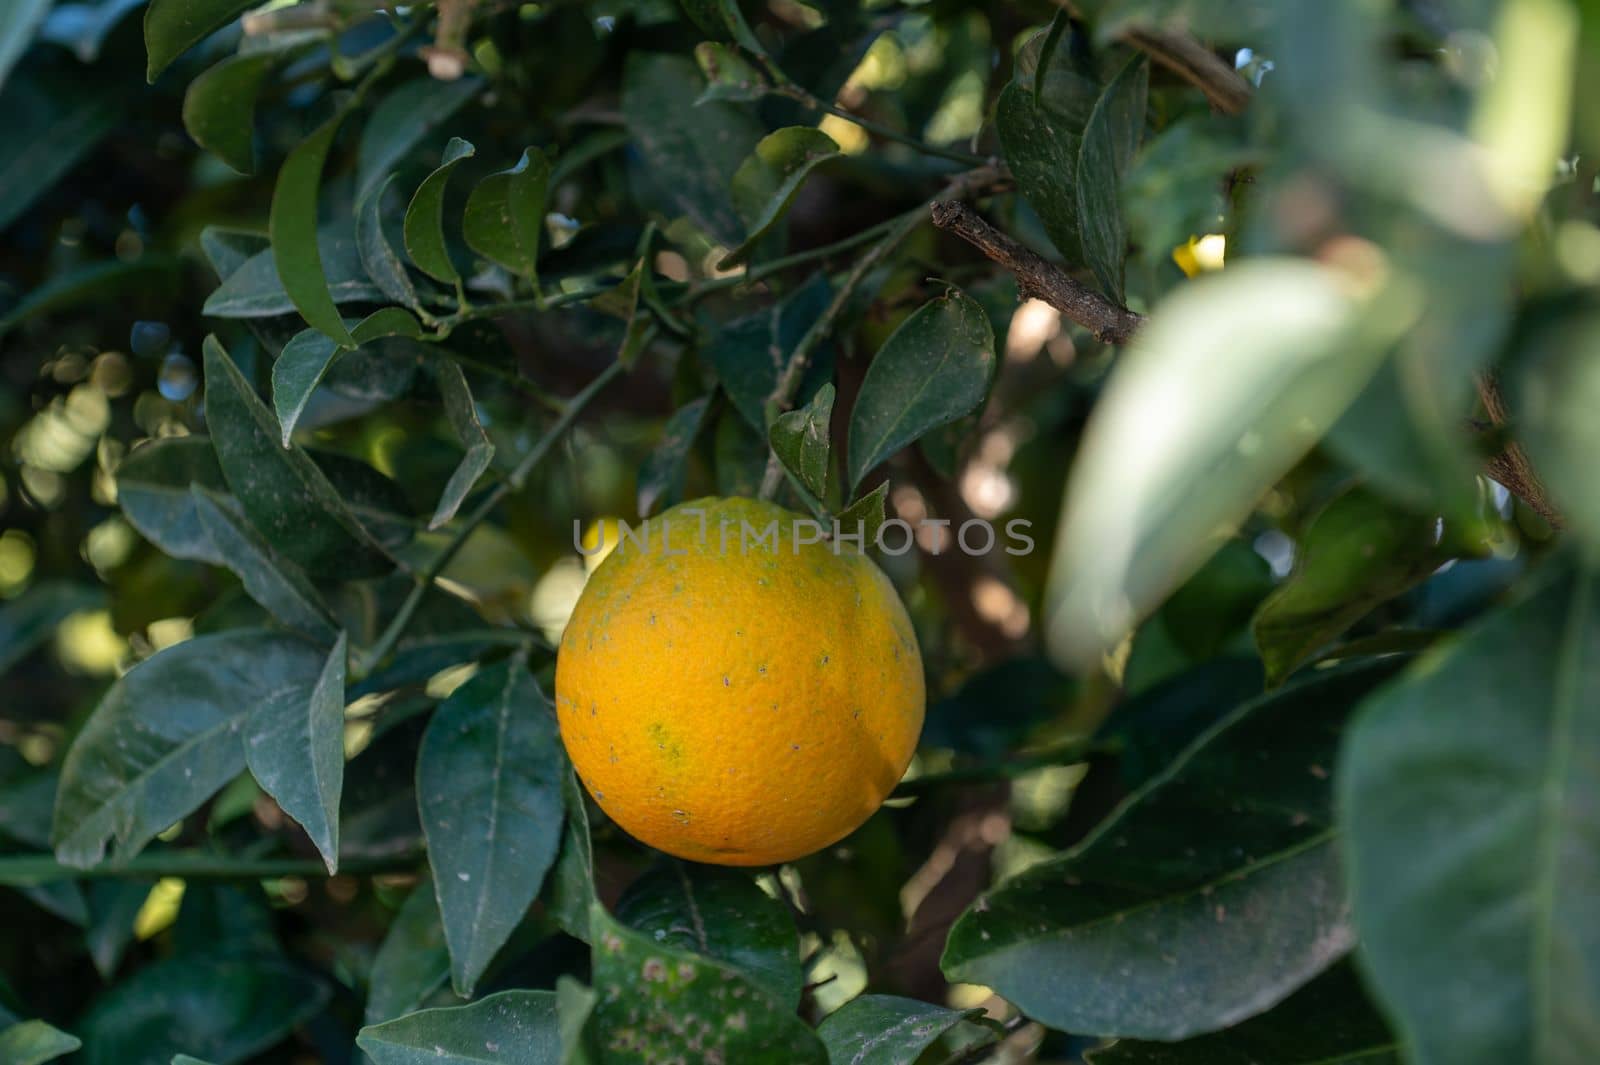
<point>322,326</point>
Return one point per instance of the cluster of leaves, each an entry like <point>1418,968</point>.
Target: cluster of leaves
<point>1249,822</point>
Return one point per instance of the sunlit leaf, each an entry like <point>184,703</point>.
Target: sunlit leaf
<point>34,1043</point>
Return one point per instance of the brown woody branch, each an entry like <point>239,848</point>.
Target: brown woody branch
<point>1511,466</point>
<point>1189,59</point>
<point>1038,277</point>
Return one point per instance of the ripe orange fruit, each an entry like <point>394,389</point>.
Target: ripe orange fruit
<point>729,698</point>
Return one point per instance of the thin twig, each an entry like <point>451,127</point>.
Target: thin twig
<point>425,580</point>
<point>1039,278</point>
<point>783,396</point>
<point>1511,467</point>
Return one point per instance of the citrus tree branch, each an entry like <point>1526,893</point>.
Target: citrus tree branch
<point>1038,277</point>
<point>1189,59</point>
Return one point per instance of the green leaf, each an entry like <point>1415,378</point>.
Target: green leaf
<point>766,183</point>
<point>462,412</point>
<point>721,914</point>
<point>310,354</point>
<point>1468,794</point>
<point>166,736</point>
<point>729,76</point>
<point>1110,141</point>
<point>52,122</point>
<point>511,1028</point>
<point>34,1042</point>
<point>489,779</point>
<point>661,476</point>
<point>254,289</point>
<point>18,21</point>
<point>574,1005</point>
<point>294,746</point>
<point>288,498</point>
<point>226,1007</point>
<point>271,580</point>
<point>751,353</point>
<point>800,440</point>
<point>172,27</point>
<point>378,256</point>
<point>292,227</point>
<point>623,301</point>
<point>153,485</point>
<point>424,224</point>
<point>113,908</point>
<point>29,620</point>
<point>1041,137</point>
<point>866,515</point>
<point>1215,888</point>
<point>658,1002</point>
<point>401,121</point>
<point>886,1030</point>
<point>1243,372</point>
<point>687,154</point>
<point>1357,553</point>
<point>219,108</point>
<point>572,878</point>
<point>933,369</point>
<point>412,961</point>
<point>1553,392</point>
<point>1327,1022</point>
<point>505,215</point>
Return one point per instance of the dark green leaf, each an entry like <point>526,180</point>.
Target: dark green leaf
<point>225,1007</point>
<point>1249,368</point>
<point>412,961</point>
<point>31,619</point>
<point>311,353</point>
<point>933,369</point>
<point>424,225</point>
<point>504,218</point>
<point>800,440</point>
<point>511,1028</point>
<point>113,908</point>
<point>283,492</point>
<point>720,914</point>
<point>729,76</point>
<point>1041,137</point>
<point>866,515</point>
<point>172,27</point>
<point>1327,1022</point>
<point>572,879</point>
<point>574,1006</point>
<point>294,746</point>
<point>271,580</point>
<point>624,302</point>
<point>51,123</point>
<point>18,22</point>
<point>751,353</point>
<point>168,734</point>
<point>658,1002</point>
<point>153,490</point>
<point>1110,141</point>
<point>462,412</point>
<point>34,1042</point>
<point>1469,799</point>
<point>219,108</point>
<point>254,289</point>
<point>723,19</point>
<point>688,155</point>
<point>489,789</point>
<point>401,121</point>
<point>661,477</point>
<point>1223,865</point>
<point>766,183</point>
<point>378,256</point>
<point>94,284</point>
<point>1357,553</point>
<point>292,226</point>
<point>886,1030</point>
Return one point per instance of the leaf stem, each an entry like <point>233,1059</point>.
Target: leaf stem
<point>491,499</point>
